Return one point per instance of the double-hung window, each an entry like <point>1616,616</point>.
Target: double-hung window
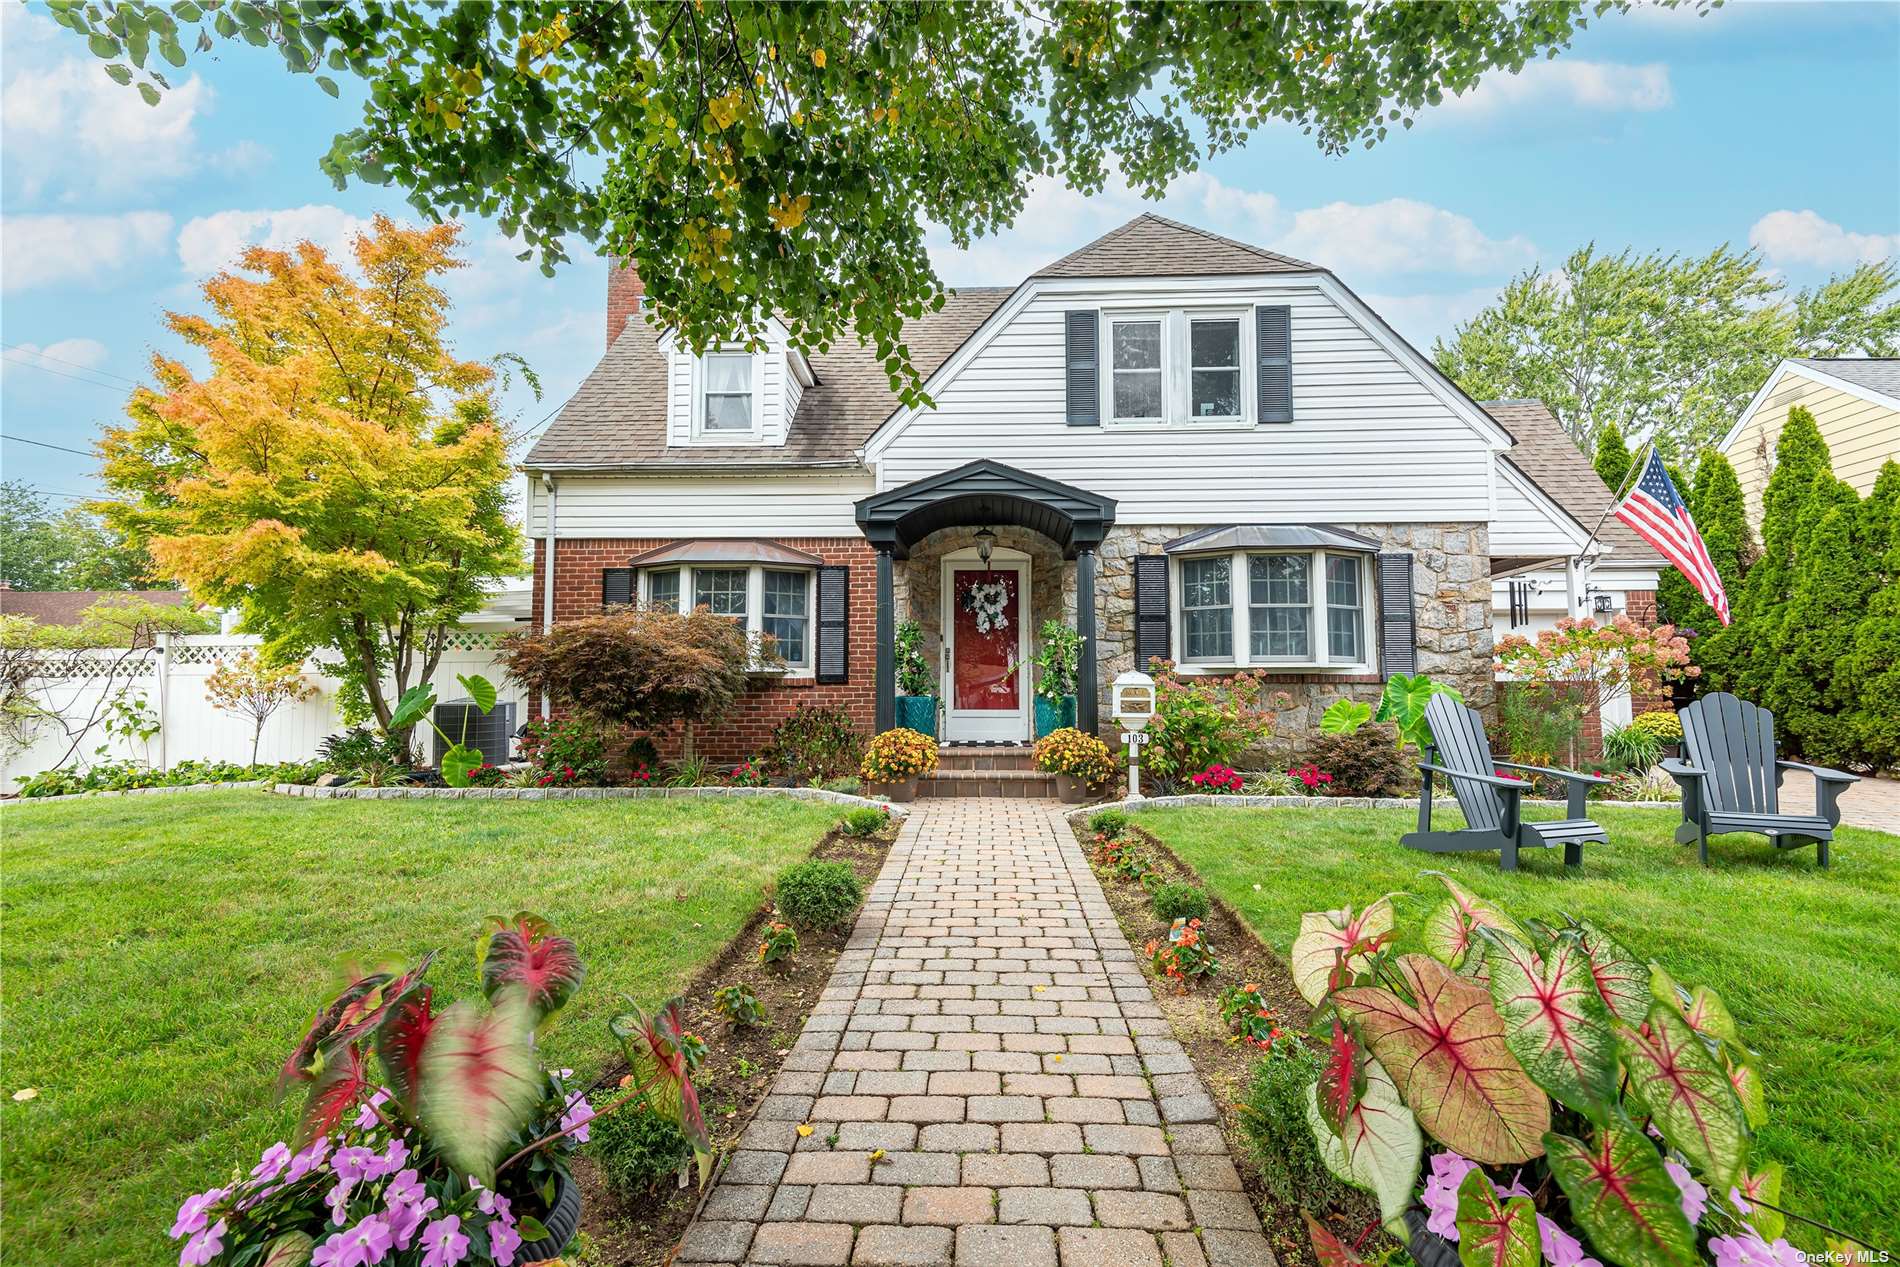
<point>1279,608</point>
<point>1182,367</point>
<point>727,396</point>
<point>769,603</point>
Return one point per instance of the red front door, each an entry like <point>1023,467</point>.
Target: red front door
<point>986,614</point>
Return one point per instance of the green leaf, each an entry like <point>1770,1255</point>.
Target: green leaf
<point>1623,1198</point>
<point>1686,1091</point>
<point>1378,1148</point>
<point>412,707</point>
<point>478,1083</point>
<point>479,689</point>
<point>1450,928</point>
<point>457,761</point>
<point>1493,1232</point>
<point>102,45</point>
<point>1344,717</point>
<point>531,1228</point>
<point>1328,1248</point>
<point>1325,935</point>
<point>149,93</point>
<point>1445,1050</point>
<point>1403,704</point>
<point>1621,978</point>
<point>327,84</point>
<point>291,1249</point>
<point>119,74</point>
<point>1765,1187</point>
<point>1556,1023</point>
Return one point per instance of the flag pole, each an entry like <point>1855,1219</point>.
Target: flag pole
<point>1616,499</point>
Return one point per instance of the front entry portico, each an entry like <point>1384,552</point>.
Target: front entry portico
<point>983,671</point>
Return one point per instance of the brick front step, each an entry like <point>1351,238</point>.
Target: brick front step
<point>1015,783</point>
<point>985,757</point>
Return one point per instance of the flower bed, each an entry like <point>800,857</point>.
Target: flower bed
<point>574,793</point>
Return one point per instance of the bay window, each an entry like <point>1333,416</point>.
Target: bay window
<point>1302,608</point>
<point>766,602</point>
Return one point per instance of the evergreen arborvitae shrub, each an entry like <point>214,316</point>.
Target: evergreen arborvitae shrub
<point>1867,682</point>
<point>1801,462</point>
<point>1816,630</point>
<point>1613,457</point>
<point>818,894</point>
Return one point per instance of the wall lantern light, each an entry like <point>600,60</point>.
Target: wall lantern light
<point>1603,604</point>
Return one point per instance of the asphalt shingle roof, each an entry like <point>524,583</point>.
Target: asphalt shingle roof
<point>1155,246</point>
<point>1545,453</point>
<point>1881,374</point>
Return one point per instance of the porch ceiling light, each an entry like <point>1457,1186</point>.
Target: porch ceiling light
<point>985,542</point>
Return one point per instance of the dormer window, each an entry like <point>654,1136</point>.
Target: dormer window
<point>726,407</point>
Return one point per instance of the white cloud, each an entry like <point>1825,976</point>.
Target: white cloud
<point>210,243</point>
<point>1565,83</point>
<point>72,133</point>
<point>1400,235</point>
<point>1804,237</point>
<point>48,249</point>
<point>1422,318</point>
<point>67,354</point>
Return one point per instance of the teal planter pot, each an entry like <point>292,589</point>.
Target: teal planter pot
<point>1052,714</point>
<point>918,713</point>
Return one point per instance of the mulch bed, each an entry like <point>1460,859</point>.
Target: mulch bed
<point>739,1067</point>
<point>1224,1064</point>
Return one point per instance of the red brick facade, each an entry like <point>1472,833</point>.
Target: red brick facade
<point>577,592</point>
<point>1650,695</point>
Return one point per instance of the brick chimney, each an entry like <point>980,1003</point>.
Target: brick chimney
<point>624,289</point>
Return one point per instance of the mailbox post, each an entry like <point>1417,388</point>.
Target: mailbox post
<point>1133,706</point>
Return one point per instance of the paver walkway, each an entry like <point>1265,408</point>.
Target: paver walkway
<point>1869,803</point>
<point>988,1032</point>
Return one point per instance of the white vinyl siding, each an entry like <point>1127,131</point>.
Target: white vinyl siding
<point>1371,441</point>
<point>738,505</point>
<point>1527,525</point>
<point>687,379</point>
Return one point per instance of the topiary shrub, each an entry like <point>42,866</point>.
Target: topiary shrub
<point>819,894</point>
<point>1664,725</point>
<point>863,821</point>
<point>1108,822</point>
<point>1273,1122</point>
<point>1180,901</point>
<point>636,1149</point>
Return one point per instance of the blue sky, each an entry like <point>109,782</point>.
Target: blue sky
<point>1776,124</point>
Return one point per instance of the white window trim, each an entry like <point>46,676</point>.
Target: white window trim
<point>1239,594</point>
<point>698,430</point>
<point>1177,368</point>
<point>802,665</point>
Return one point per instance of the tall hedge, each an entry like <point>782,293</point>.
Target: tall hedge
<point>1816,629</point>
<point>1801,462</point>
<point>1868,680</point>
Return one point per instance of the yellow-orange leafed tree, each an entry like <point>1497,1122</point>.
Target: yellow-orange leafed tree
<point>339,475</point>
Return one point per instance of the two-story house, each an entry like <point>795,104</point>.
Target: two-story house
<point>1180,445</point>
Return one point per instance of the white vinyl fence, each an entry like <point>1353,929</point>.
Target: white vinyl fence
<point>86,690</point>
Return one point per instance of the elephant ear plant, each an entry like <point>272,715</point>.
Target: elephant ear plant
<point>418,705</point>
<point>1563,1100</point>
<point>431,1134</point>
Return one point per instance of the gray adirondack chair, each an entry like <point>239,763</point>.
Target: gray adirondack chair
<point>1731,781</point>
<point>1492,805</point>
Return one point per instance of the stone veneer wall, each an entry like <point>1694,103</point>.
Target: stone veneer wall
<point>1451,577</point>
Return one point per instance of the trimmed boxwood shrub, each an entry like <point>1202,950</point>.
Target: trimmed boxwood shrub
<point>1180,901</point>
<point>863,821</point>
<point>1273,1120</point>
<point>1108,822</point>
<point>636,1149</point>
<point>819,894</point>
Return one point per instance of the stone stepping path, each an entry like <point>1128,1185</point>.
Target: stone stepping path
<point>987,1079</point>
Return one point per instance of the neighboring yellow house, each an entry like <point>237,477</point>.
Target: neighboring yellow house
<point>1855,402</point>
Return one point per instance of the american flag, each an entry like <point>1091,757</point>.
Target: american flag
<point>1656,513</point>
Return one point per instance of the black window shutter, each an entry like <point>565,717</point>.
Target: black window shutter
<point>834,624</point>
<point>1398,635</point>
<point>616,587</point>
<point>1083,342</point>
<point>1151,609</point>
<point>1273,336</point>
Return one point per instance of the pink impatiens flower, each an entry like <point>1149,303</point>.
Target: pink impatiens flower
<point>1748,1249</point>
<point>1561,1249</point>
<point>272,1163</point>
<point>309,1159</point>
<point>203,1247</point>
<point>1440,1195</point>
<point>366,1115</point>
<point>443,1244</point>
<point>191,1215</point>
<point>579,1114</point>
<point>503,1240</point>
<point>1695,1197</point>
<point>335,1252</point>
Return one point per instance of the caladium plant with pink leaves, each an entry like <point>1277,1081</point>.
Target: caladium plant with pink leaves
<point>432,1135</point>
<point>1583,1104</point>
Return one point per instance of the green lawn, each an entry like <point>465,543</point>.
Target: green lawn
<point>162,954</point>
<point>1808,960</point>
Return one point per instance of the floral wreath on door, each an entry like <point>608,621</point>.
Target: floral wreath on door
<point>988,602</point>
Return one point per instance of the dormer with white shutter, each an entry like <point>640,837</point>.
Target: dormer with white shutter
<point>734,395</point>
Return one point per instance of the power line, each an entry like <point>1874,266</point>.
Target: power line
<point>60,360</point>
<point>90,382</point>
<point>54,492</point>
<point>62,448</point>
